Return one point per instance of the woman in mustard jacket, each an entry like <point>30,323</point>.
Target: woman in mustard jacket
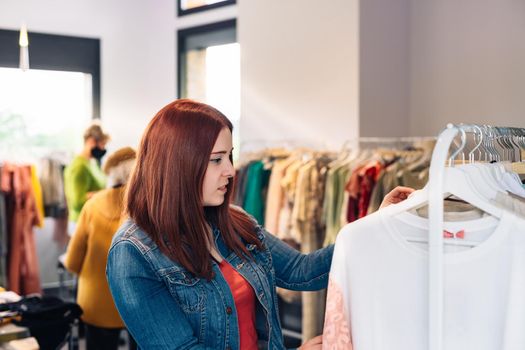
<point>87,253</point>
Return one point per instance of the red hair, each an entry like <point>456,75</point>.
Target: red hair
<point>164,195</point>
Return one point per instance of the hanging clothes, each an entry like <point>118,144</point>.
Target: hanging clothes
<point>255,193</point>
<point>52,181</point>
<point>307,223</point>
<point>3,240</point>
<point>288,184</point>
<point>378,290</point>
<point>37,194</point>
<point>275,197</point>
<point>307,204</point>
<point>398,174</point>
<point>22,212</point>
<point>240,185</point>
<point>336,179</point>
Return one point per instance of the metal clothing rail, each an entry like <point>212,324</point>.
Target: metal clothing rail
<point>261,144</point>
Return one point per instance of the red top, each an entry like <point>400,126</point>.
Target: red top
<point>244,299</point>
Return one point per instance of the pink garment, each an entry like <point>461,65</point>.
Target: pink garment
<point>336,333</point>
<point>23,269</point>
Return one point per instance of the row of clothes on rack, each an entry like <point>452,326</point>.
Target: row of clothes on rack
<point>295,193</point>
<point>26,197</point>
<point>379,294</point>
<point>305,196</point>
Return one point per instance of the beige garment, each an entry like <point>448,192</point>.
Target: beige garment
<point>288,183</point>
<point>275,196</point>
<point>302,214</point>
<point>294,212</point>
<point>307,227</point>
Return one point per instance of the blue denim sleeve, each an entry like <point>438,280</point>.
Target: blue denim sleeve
<point>150,313</point>
<point>297,271</point>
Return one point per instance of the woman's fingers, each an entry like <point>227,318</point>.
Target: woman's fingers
<point>398,194</point>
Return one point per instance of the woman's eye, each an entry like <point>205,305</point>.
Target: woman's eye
<point>216,160</point>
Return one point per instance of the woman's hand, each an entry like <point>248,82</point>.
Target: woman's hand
<point>397,195</point>
<point>313,344</point>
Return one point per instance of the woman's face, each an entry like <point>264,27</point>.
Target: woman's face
<point>219,171</point>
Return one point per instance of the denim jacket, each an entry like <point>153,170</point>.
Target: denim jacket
<point>165,307</point>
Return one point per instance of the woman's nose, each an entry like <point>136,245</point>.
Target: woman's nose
<point>230,170</point>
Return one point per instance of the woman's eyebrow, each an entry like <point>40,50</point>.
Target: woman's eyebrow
<point>221,152</point>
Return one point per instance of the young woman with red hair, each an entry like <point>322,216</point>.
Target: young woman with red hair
<point>189,271</point>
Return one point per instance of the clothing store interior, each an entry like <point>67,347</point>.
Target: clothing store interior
<point>334,105</point>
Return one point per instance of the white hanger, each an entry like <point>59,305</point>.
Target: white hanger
<point>457,183</point>
<point>485,177</point>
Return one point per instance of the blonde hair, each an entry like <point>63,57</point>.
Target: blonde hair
<point>119,165</point>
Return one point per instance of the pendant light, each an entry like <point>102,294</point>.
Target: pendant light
<point>24,48</point>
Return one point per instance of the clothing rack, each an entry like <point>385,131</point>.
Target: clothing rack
<point>508,139</point>
<point>318,226</point>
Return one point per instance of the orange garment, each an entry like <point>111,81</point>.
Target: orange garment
<point>244,299</point>
<point>37,194</point>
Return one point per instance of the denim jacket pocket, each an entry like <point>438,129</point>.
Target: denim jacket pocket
<point>262,257</point>
<point>187,290</point>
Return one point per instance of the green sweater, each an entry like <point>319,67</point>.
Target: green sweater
<point>80,177</point>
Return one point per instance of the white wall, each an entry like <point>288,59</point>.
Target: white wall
<point>384,67</point>
<point>299,71</point>
<point>311,72</point>
<point>426,63</point>
<point>137,52</point>
<point>467,63</point>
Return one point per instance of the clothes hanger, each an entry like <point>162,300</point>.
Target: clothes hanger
<point>455,182</point>
<point>518,166</point>
<point>487,179</point>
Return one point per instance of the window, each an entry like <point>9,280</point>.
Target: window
<point>46,108</point>
<point>209,69</point>
<point>42,112</point>
<point>191,6</point>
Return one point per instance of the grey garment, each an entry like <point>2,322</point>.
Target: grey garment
<point>52,182</point>
<point>3,241</point>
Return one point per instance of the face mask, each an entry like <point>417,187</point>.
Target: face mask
<point>98,153</point>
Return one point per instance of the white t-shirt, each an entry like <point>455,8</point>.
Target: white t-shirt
<point>378,290</point>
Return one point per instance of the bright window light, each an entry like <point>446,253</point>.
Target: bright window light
<point>189,4</point>
<point>44,111</point>
<point>223,82</point>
